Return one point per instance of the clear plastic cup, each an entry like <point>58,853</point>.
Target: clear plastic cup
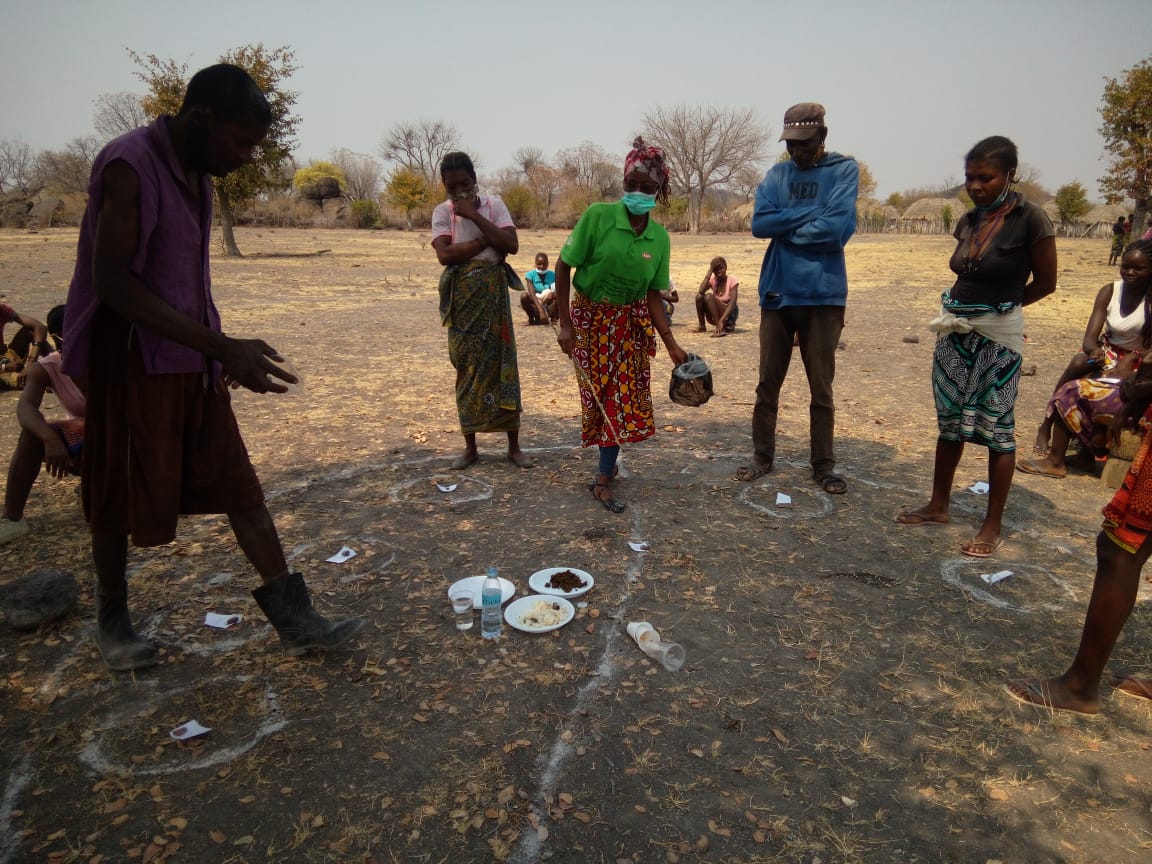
<point>670,655</point>
<point>462,609</point>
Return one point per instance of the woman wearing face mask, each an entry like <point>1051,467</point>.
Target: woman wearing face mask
<point>1001,242</point>
<point>472,234</point>
<point>609,324</point>
<point>538,301</point>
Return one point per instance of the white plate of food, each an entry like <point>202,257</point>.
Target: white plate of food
<point>475,584</point>
<point>539,613</point>
<point>561,581</point>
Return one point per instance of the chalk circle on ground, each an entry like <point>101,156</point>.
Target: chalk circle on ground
<point>428,490</point>
<point>1024,591</point>
<point>805,503</point>
<point>127,739</point>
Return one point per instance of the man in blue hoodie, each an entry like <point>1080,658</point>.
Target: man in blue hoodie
<point>807,206</point>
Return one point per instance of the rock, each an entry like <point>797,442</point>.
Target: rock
<point>911,339</point>
<point>1030,370</point>
<point>38,598</point>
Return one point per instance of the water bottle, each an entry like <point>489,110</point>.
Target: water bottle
<point>491,596</point>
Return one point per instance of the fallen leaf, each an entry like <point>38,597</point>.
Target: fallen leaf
<point>218,836</point>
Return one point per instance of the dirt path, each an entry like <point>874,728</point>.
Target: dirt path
<point>841,701</point>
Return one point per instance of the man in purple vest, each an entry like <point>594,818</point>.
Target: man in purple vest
<point>145,336</point>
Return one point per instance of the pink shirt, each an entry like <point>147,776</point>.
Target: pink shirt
<point>65,388</point>
<point>445,223</point>
<point>723,294</point>
<point>171,250</point>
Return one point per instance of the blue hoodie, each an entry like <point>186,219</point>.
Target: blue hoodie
<point>809,214</point>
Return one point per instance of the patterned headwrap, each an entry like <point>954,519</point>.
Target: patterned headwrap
<point>647,160</point>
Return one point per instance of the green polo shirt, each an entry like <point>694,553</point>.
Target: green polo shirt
<point>613,263</point>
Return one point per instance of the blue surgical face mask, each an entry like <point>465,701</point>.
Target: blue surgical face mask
<point>999,198</point>
<point>638,203</point>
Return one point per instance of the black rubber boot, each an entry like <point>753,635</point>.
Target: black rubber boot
<point>120,646</point>
<point>299,625</point>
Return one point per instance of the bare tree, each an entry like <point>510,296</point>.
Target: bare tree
<point>420,146</point>
<point>67,171</point>
<point>527,158</point>
<point>117,113</point>
<point>542,179</point>
<point>361,171</point>
<point>16,167</point>
<point>590,169</point>
<point>707,146</point>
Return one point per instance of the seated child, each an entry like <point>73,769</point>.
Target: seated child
<point>539,301</point>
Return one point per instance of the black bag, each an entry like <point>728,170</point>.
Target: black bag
<point>691,382</point>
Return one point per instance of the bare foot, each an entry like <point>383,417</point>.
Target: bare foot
<point>1130,685</point>
<point>468,457</point>
<point>700,330</point>
<point>1052,693</point>
<point>923,516</point>
<point>520,459</point>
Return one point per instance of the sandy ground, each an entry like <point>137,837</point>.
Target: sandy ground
<point>841,700</point>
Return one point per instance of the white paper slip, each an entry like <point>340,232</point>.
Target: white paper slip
<point>340,557</point>
<point>642,546</point>
<point>783,500</point>
<point>222,622</point>
<point>993,578</point>
<point>446,487</point>
<point>979,488</point>
<point>191,729</point>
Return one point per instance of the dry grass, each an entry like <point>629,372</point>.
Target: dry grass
<point>829,658</point>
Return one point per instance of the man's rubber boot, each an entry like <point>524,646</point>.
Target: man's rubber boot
<point>287,605</point>
<point>120,646</point>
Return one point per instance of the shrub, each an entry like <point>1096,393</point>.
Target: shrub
<point>365,213</point>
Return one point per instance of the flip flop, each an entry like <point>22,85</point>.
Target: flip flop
<point>1040,700</point>
<point>612,505</point>
<point>1116,680</point>
<point>919,519</point>
<point>970,551</point>
<point>1027,466</point>
<point>833,484</point>
<point>751,471</point>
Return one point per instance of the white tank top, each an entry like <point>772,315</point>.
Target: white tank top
<point>1126,333</point>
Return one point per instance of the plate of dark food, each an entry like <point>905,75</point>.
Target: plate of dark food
<point>561,581</point>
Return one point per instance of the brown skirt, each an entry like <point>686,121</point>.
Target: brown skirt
<point>157,446</point>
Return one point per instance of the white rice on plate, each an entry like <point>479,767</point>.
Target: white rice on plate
<point>544,613</point>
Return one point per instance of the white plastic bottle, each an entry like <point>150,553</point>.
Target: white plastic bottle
<point>491,621</point>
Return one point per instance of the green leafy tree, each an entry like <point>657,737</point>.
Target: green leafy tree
<point>895,200</point>
<point>407,191</point>
<point>1072,202</point>
<point>1126,109</point>
<point>166,80</point>
<point>319,182</point>
<point>946,218</point>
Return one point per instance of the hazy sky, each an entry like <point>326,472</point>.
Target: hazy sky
<point>908,86</point>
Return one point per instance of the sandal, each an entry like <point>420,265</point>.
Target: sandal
<point>833,484</point>
<point>609,504</point>
<point>751,471</point>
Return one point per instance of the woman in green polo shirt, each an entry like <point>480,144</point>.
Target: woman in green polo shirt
<point>608,325</point>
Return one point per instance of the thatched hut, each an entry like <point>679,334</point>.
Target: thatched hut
<point>932,216</point>
<point>874,217</point>
<point>1101,218</point>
